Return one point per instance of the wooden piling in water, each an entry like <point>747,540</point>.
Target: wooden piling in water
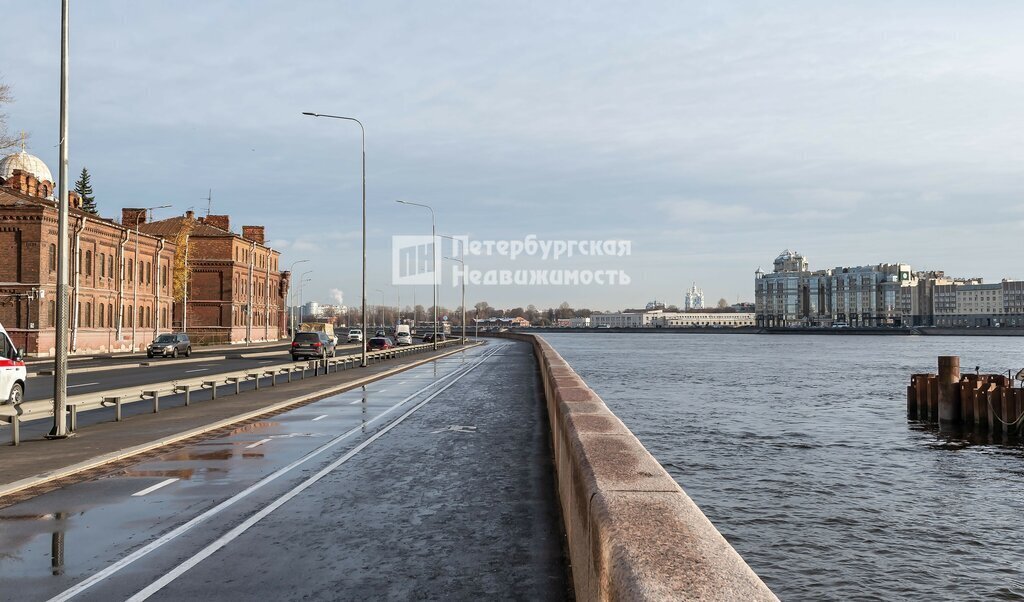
<point>983,401</point>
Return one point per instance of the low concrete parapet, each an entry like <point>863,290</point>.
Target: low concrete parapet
<point>633,533</point>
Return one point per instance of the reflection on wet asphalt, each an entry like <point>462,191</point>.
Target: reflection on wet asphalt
<point>52,542</point>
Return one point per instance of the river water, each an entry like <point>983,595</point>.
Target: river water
<point>799,450</point>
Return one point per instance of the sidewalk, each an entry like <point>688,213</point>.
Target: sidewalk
<point>43,460</point>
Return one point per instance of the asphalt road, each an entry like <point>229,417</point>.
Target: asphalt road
<point>93,362</point>
<point>435,483</point>
<point>159,370</point>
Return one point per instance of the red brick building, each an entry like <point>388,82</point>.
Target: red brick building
<point>236,291</point>
<point>129,280</point>
<point>120,283</point>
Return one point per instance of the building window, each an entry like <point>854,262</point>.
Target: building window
<point>110,314</point>
<point>53,258</point>
<point>149,272</point>
<point>88,263</point>
<point>51,313</point>
<point>88,315</point>
<point>142,272</point>
<point>110,265</point>
<point>103,265</point>
<point>130,270</point>
<point>163,316</point>
<point>163,278</point>
<point>131,316</point>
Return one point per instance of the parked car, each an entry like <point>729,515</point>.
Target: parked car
<point>12,371</point>
<point>312,345</point>
<point>429,337</point>
<point>378,343</point>
<point>170,344</point>
<point>355,335</point>
<point>403,338</point>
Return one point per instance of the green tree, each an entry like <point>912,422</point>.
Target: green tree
<point>84,189</point>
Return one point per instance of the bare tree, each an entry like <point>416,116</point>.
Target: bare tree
<point>6,141</point>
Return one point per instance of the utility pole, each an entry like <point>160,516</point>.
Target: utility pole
<point>60,368</point>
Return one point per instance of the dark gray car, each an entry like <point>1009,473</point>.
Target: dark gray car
<point>312,345</point>
<point>170,344</point>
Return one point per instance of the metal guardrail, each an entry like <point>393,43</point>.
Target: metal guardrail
<point>43,408</point>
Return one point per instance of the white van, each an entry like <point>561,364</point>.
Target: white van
<point>12,371</point>
<point>403,334</point>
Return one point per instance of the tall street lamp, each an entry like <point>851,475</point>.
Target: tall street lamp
<point>60,363</point>
<point>381,306</point>
<point>433,241</point>
<point>136,276</point>
<point>363,132</point>
<point>463,296</point>
<point>291,293</point>
<point>302,279</point>
<point>462,251</point>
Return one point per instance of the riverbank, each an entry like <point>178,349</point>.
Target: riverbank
<point>915,331</point>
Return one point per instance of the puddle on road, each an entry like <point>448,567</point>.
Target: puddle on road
<point>182,473</point>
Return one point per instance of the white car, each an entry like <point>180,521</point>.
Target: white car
<point>355,335</point>
<point>403,338</point>
<point>12,371</point>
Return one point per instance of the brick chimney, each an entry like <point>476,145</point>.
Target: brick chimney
<point>130,214</point>
<point>218,221</point>
<point>253,233</point>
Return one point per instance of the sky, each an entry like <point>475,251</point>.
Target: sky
<point>710,135</point>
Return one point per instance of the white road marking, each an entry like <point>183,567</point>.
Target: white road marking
<point>81,385</point>
<point>197,370</point>
<point>231,535</point>
<point>456,428</point>
<point>320,417</point>
<point>257,444</point>
<point>191,524</point>
<point>402,383</point>
<point>153,488</point>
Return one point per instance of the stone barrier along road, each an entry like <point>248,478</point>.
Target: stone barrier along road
<point>632,532</point>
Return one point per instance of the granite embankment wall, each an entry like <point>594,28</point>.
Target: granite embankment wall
<point>633,533</point>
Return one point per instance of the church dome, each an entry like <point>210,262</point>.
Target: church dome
<point>29,164</point>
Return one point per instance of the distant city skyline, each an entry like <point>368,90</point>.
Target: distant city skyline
<point>711,137</point>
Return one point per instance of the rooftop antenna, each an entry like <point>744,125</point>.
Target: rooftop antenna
<point>209,202</point>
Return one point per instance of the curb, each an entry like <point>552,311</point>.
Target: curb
<point>142,448</point>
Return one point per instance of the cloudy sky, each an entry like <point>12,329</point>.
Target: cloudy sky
<point>710,135</point>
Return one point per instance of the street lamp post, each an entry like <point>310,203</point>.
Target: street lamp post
<point>135,277</point>
<point>463,296</point>
<point>291,293</point>
<point>302,279</point>
<point>433,241</point>
<point>363,133</point>
<point>382,301</point>
<point>60,364</point>
<point>462,251</point>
